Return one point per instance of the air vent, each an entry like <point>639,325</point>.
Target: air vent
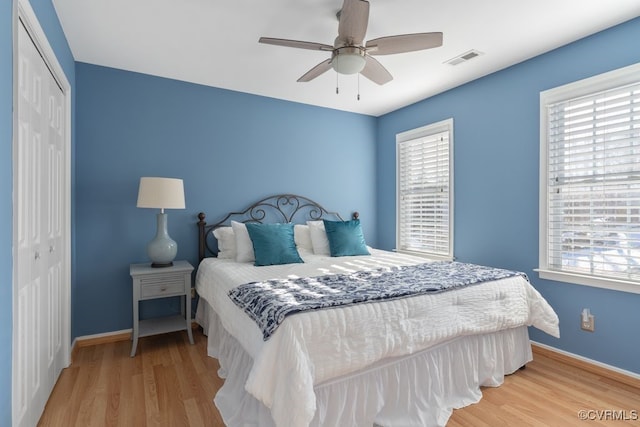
<point>467,56</point>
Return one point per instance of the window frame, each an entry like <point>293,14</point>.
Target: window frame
<point>421,132</point>
<point>589,86</point>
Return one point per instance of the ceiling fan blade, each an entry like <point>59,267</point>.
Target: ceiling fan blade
<point>374,71</point>
<point>321,68</point>
<point>296,43</point>
<point>403,43</point>
<point>354,18</point>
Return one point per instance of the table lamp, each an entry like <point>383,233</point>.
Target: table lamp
<point>161,193</point>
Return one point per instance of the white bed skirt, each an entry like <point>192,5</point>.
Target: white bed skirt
<point>421,389</point>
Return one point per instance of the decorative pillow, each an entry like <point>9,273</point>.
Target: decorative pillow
<point>319,240</point>
<point>244,247</point>
<point>345,238</point>
<point>273,244</point>
<point>226,242</point>
<point>302,237</point>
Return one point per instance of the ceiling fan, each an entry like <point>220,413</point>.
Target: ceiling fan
<point>350,54</point>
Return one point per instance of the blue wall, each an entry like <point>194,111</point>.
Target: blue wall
<point>50,24</point>
<point>496,155</point>
<point>230,149</point>
<point>6,213</point>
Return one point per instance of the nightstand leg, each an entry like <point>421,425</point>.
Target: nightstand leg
<point>187,314</point>
<point>190,333</point>
<point>134,335</point>
<point>134,345</point>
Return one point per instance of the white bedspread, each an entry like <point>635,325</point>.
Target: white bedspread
<point>314,347</point>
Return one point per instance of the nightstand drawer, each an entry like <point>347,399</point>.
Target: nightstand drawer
<point>165,285</point>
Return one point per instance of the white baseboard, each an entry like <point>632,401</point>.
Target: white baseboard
<point>113,336</point>
<point>99,337</point>
<point>590,361</point>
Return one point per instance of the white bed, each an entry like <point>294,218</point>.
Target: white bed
<point>404,362</point>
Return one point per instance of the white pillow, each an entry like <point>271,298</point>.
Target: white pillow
<point>302,237</point>
<point>319,239</point>
<point>244,246</point>
<point>226,242</point>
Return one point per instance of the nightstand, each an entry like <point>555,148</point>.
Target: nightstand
<point>152,283</point>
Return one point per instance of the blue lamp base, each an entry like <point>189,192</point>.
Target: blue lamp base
<point>162,250</point>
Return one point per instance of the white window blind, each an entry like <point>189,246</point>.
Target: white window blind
<point>425,190</point>
<point>593,185</point>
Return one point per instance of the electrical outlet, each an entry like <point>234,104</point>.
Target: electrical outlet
<point>587,321</point>
<point>193,293</point>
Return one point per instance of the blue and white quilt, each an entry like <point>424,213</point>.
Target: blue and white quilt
<point>269,302</point>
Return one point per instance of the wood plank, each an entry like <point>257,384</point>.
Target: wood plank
<point>171,382</point>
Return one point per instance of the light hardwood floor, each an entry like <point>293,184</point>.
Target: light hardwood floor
<point>172,383</point>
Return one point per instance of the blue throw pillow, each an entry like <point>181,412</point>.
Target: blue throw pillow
<point>345,238</point>
<point>273,244</point>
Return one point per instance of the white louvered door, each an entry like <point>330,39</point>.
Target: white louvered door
<point>39,235</point>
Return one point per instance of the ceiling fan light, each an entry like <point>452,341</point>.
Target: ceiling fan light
<point>348,60</point>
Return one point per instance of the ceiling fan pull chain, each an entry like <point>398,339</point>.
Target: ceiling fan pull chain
<point>358,86</point>
<point>337,74</point>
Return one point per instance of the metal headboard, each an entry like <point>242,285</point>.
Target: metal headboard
<point>283,208</point>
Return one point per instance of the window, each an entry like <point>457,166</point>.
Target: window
<point>590,181</point>
<point>425,190</point>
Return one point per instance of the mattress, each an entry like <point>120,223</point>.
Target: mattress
<point>312,348</point>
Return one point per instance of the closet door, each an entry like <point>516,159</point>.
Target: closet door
<point>39,234</point>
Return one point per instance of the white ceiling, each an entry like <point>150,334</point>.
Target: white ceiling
<point>215,42</point>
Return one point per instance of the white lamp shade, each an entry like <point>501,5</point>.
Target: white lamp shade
<point>161,193</point>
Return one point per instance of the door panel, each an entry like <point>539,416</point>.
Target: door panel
<point>39,242</point>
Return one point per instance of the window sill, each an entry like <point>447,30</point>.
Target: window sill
<point>427,255</point>
<point>596,282</point>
